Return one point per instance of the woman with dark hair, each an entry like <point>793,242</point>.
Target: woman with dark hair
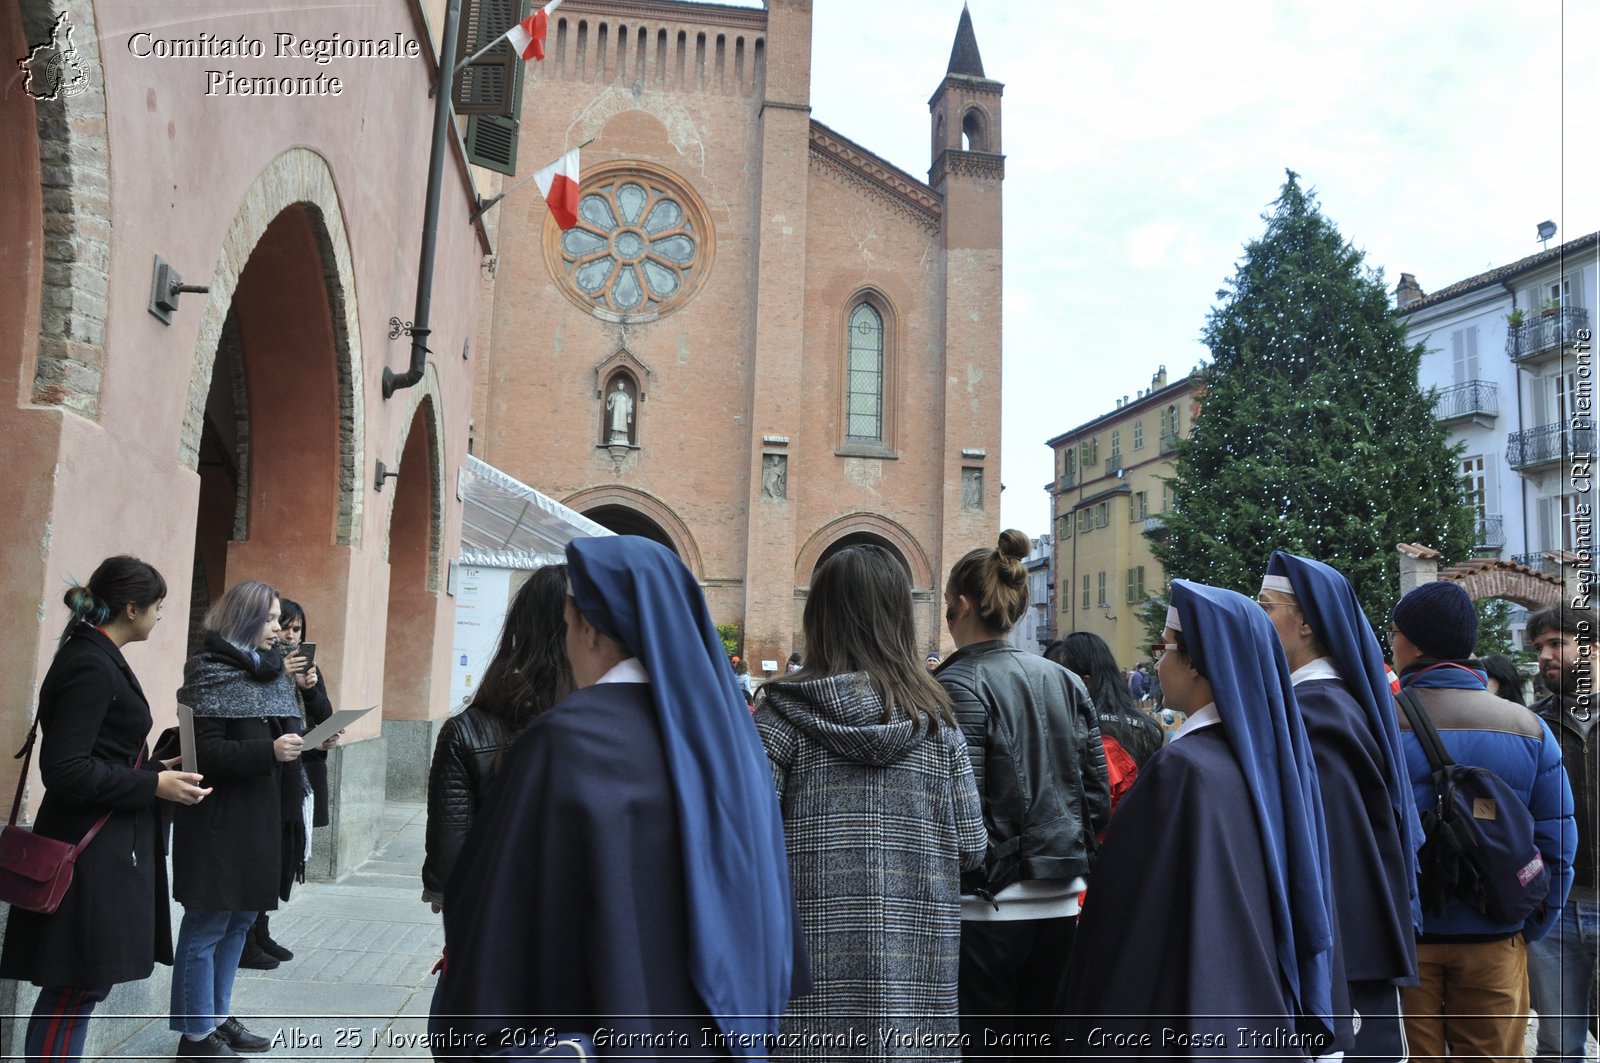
<point>112,925</point>
<point>1036,752</point>
<point>227,859</point>
<point>880,813</point>
<point>1129,734</point>
<point>1504,679</point>
<point>261,952</point>
<point>528,673</point>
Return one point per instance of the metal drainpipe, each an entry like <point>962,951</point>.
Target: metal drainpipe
<point>1522,487</point>
<point>393,381</point>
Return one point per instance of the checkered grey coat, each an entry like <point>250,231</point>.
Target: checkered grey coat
<point>880,820</point>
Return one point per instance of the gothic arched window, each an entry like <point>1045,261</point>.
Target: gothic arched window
<point>864,386</point>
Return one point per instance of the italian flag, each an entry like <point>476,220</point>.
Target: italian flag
<point>527,37</point>
<point>559,184</point>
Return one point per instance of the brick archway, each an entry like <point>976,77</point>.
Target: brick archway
<point>76,180</point>
<point>683,543</point>
<point>922,574</point>
<point>1503,579</point>
<point>298,177</point>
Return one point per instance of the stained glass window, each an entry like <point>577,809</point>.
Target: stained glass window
<point>864,389</point>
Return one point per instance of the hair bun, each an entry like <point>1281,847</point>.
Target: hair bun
<point>79,599</point>
<point>1014,544</point>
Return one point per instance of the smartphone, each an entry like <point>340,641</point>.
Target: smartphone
<point>307,650</point>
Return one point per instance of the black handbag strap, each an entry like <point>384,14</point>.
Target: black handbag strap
<point>1428,735</point>
<point>25,754</point>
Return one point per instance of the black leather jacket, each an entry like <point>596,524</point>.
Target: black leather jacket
<point>464,761</point>
<point>1041,771</point>
<point>1578,755</point>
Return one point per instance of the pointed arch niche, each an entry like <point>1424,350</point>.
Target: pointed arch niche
<point>623,375</point>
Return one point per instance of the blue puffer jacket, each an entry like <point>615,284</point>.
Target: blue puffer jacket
<point>1485,731</point>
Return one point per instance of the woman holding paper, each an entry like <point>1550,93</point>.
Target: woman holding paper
<point>112,925</point>
<point>228,852</point>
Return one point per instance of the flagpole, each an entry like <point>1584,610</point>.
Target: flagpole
<point>485,204</point>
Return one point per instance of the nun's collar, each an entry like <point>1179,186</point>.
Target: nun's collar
<point>1199,719</point>
<point>628,671</point>
<point>1321,668</point>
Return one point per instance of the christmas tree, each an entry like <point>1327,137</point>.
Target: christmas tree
<point>1313,436</point>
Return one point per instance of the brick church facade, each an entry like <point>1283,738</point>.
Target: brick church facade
<point>762,342</point>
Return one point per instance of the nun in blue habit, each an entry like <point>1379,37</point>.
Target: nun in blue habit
<point>1208,927</point>
<point>1343,694</point>
<point>626,876</point>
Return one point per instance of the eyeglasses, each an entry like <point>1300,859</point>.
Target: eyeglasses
<point>1269,605</point>
<point>1158,651</point>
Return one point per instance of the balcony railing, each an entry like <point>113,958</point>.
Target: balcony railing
<point>1114,465</point>
<point>1543,333</point>
<point>1169,443</point>
<point>1539,563</point>
<point>1489,535</point>
<point>1546,444</point>
<point>1475,398</point>
<point>1155,526</point>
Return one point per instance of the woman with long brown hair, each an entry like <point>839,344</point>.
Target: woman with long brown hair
<point>880,814</point>
<point>527,675</point>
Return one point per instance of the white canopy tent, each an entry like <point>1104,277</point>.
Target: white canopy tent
<point>506,527</point>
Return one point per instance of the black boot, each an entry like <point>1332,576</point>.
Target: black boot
<point>265,942</point>
<point>254,957</point>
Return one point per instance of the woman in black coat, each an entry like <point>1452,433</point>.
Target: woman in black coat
<point>528,674</point>
<point>227,853</point>
<point>112,925</point>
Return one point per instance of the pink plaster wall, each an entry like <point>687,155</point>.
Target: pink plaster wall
<point>181,164</point>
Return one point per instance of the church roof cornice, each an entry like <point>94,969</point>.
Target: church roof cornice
<point>675,11</point>
<point>877,173</point>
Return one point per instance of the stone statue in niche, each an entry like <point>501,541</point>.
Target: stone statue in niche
<point>971,488</point>
<point>619,415</point>
<point>774,476</point>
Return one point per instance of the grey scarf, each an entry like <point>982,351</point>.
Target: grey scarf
<point>223,681</point>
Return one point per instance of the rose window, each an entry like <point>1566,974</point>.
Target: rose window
<point>639,246</point>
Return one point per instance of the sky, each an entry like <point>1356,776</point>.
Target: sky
<point>1144,142</point>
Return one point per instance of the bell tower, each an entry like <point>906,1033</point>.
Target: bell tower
<point>967,172</point>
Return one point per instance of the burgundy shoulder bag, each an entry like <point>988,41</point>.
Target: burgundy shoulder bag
<point>35,871</point>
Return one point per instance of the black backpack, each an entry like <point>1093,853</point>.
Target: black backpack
<point>1479,846</point>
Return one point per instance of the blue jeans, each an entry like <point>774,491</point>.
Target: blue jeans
<point>1561,977</point>
<point>204,964</point>
<point>60,1022</point>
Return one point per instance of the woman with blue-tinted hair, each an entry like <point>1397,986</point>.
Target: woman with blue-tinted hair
<point>227,851</point>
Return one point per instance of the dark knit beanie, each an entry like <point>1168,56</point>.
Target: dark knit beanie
<point>1439,619</point>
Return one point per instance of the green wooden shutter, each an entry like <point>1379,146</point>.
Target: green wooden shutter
<point>492,138</point>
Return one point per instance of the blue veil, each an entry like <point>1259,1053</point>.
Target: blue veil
<point>1334,613</point>
<point>1233,646</point>
<point>741,916</point>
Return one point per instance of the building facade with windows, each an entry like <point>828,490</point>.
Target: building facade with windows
<point>761,342</point>
<point>1509,354</point>
<point>1110,492</point>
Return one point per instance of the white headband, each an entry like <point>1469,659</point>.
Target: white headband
<point>1280,584</point>
<point>1172,618</point>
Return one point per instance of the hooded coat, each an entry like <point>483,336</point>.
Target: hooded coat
<point>880,820</point>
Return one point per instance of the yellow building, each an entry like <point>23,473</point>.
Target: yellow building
<point>1107,499</point>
